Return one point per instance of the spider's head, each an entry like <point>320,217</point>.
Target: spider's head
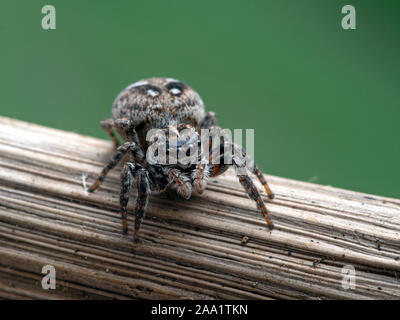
<point>160,102</point>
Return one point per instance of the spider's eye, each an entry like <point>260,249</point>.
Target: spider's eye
<point>175,88</point>
<point>153,93</point>
<point>149,90</point>
<point>175,91</point>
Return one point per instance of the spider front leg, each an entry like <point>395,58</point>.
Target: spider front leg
<point>126,184</point>
<point>121,151</point>
<point>203,169</point>
<point>129,173</point>
<point>143,193</point>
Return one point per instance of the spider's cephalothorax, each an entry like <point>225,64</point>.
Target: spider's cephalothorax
<point>168,105</point>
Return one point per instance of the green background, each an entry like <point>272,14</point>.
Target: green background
<point>324,102</point>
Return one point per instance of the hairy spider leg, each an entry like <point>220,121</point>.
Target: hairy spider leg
<point>205,167</point>
<point>182,182</point>
<point>255,170</point>
<point>126,127</point>
<point>244,179</point>
<point>130,173</point>
<point>108,125</point>
<point>253,193</point>
<point>121,151</point>
<point>202,170</point>
<point>261,178</point>
<point>143,193</point>
<point>200,176</point>
<point>126,184</point>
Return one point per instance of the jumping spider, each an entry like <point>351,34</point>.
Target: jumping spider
<point>165,104</point>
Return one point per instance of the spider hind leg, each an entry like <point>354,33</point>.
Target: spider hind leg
<point>253,193</point>
<point>107,125</point>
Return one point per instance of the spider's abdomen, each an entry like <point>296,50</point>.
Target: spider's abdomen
<point>158,103</point>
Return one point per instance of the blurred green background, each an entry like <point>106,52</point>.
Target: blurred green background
<point>324,102</point>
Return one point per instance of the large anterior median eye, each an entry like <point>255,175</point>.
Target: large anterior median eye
<point>175,88</point>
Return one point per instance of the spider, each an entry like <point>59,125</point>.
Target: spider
<point>168,105</point>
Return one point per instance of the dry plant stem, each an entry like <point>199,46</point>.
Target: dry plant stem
<point>190,248</point>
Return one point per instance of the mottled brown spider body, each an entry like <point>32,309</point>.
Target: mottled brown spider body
<point>158,103</point>
<point>169,105</point>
